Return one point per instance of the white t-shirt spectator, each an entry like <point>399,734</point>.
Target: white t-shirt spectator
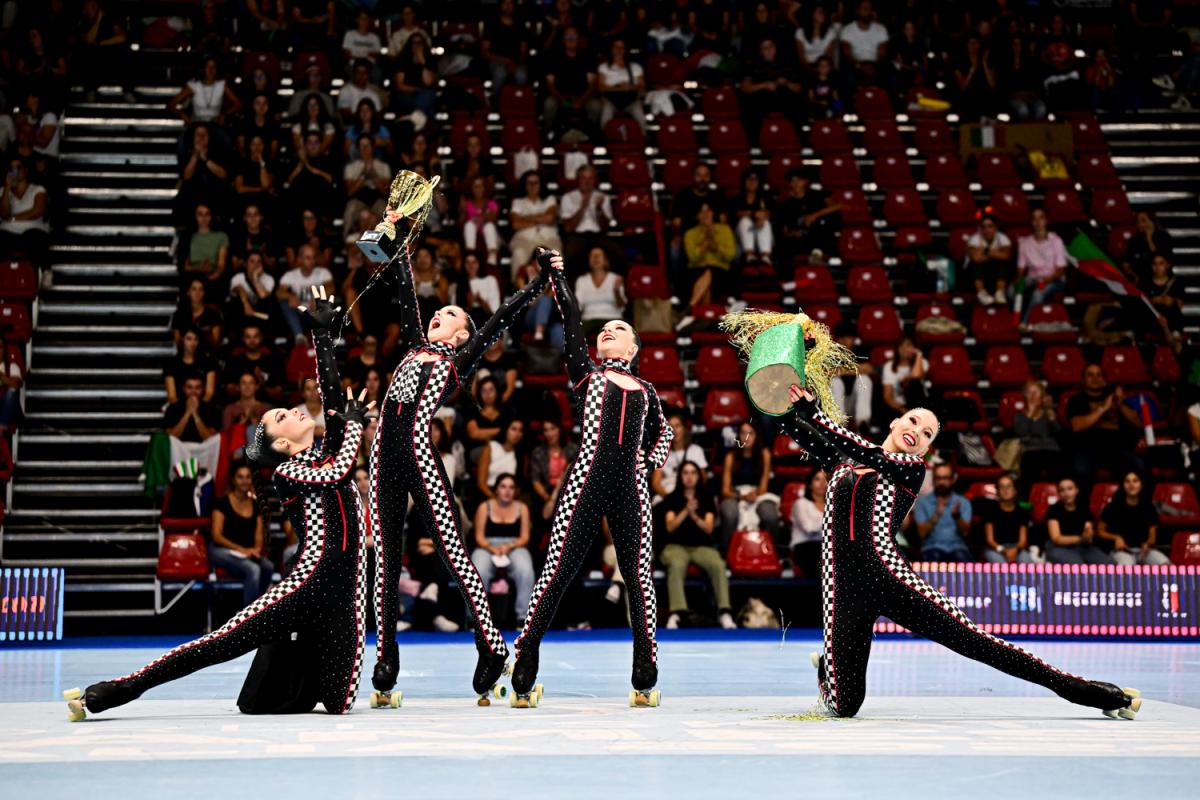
<point>864,44</point>
<point>265,280</point>
<point>806,522</point>
<point>609,75</point>
<point>362,45</point>
<point>598,302</point>
<point>590,223</point>
<point>51,148</point>
<point>357,169</point>
<point>20,205</point>
<point>350,96</point>
<point>816,48</point>
<point>301,284</point>
<point>503,461</point>
<point>892,377</point>
<point>207,100</point>
<point>1000,241</point>
<point>525,207</point>
<point>675,459</point>
<point>487,289</point>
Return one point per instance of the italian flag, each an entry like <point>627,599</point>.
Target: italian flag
<point>988,136</point>
<point>1091,261</point>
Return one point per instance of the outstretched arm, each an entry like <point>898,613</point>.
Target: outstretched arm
<point>412,333</point>
<point>319,320</point>
<point>502,320</point>
<point>575,351</point>
<point>657,434</point>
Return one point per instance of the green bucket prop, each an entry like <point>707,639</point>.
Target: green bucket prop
<point>776,362</point>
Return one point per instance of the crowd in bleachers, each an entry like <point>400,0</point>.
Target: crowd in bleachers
<point>690,157</point>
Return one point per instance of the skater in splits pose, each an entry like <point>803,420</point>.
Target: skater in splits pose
<point>405,461</point>
<point>624,438</point>
<point>322,598</point>
<point>864,576</point>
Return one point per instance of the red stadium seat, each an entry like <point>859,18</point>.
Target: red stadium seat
<point>725,407</point>
<point>855,209</point>
<point>1063,206</point>
<point>18,280</point>
<point>1057,323</point>
<point>676,135</point>
<point>1111,207</point>
<point>6,461</point>
<point>647,282</point>
<point>994,325</point>
<point>752,555</point>
<point>708,315</point>
<point>908,239</point>
<point>778,135</point>
<point>720,102</point>
<point>1124,366</point>
<point>950,367</point>
<point>859,245</point>
<point>1087,136</point>
<point>788,459</point>
<point>996,171</point>
<point>624,135</point>
<point>882,136</point>
<point>956,207</point>
<point>872,103</point>
<point>664,71</point>
<point>839,172</point>
<point>956,244</point>
<point>718,365</point>
<point>1010,206</point>
<point>903,207</point>
<point>15,325</point>
<point>678,170</point>
<point>727,136</point>
<point>868,283</point>
<point>629,171</point>
<point>879,324</point>
<point>1185,549</point>
<point>520,133</point>
<point>1096,171</point>
<point>792,491</point>
<point>891,171</point>
<point>881,354</point>
<point>660,364</point>
<point>828,315</point>
<point>933,135</point>
<point>814,284</point>
<point>1101,494</point>
<point>829,136</point>
<point>1118,239</point>
<point>1062,365</point>
<point>945,171</point>
<point>517,101</point>
<point>1164,367</point>
<point>1042,495</point>
<point>1012,402</point>
<point>635,210</point>
<point>730,167</point>
<point>466,125</point>
<point>962,410</point>
<point>944,311</point>
<point>672,397</point>
<point>1006,366</point>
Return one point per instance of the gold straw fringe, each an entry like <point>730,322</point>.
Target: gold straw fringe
<point>824,360</point>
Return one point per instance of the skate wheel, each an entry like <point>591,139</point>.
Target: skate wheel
<point>535,698</point>
<point>1111,713</point>
<point>1129,692</point>
<point>374,701</point>
<point>655,698</point>
<point>76,693</point>
<point>76,711</point>
<point>633,698</point>
<point>512,700</point>
<point>538,690</point>
<point>499,691</point>
<point>396,699</point>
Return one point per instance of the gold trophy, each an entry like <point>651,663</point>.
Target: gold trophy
<point>410,197</point>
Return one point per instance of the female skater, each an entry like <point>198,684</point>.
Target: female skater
<point>625,437</point>
<point>864,576</point>
<point>405,461</point>
<point>322,599</point>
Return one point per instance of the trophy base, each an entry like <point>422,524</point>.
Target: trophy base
<point>378,247</point>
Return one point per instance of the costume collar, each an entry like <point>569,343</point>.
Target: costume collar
<point>616,365</point>
<point>444,349</point>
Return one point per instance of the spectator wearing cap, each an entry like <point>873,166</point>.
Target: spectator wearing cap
<point>989,258</point>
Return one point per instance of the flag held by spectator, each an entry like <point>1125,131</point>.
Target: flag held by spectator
<point>1090,260</point>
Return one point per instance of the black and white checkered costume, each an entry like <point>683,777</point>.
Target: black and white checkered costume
<point>606,479</point>
<point>322,599</point>
<point>864,575</point>
<point>405,461</point>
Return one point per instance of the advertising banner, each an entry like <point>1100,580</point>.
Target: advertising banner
<point>31,604</point>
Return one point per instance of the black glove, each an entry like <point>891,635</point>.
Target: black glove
<point>322,316</point>
<point>355,412</point>
<point>543,257</point>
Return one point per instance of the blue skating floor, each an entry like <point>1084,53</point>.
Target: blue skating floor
<point>731,726</point>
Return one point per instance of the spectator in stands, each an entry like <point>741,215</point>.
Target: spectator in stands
<point>472,164</point>
<point>419,153</point>
<point>665,33</point>
<point>8,128</point>
<point>710,25</point>
<point>254,357</point>
<point>486,421</point>
<point>354,373</point>
<point>989,260</point>
<point>239,537</point>
<point>853,391</point>
<point>208,250</point>
<point>478,213</point>
<point>570,101</point>
<point>501,366</point>
<point>1020,78</point>
<point>586,212</point>
<point>600,293</point>
<point>824,98</point>
<point>190,359</point>
<point>408,27</point>
<point>1038,429</point>
<point>500,456</point>
<point>247,409</point>
<point>903,377</point>
<point>12,378</point>
<point>1129,524</point>
<point>685,207</point>
<point>808,521</point>
<point>607,19</point>
<point>367,181</point>
<point>432,287</point>
<point>502,526</point>
<point>1071,532</point>
<point>505,46</point>
<point>204,177</point>
<point>864,44</point>
<point>1150,239</point>
<point>310,234</point>
<point>314,86</point>
<point>313,118</point>
<point>361,42</point>
<point>375,383</point>
<point>1042,262</point>
<point>265,22</point>
<point>1166,294</point>
<point>549,461</point>
<point>40,62</point>
<point>817,38</point>
<point>805,219</point>
<point>357,90</point>
<point>312,179</point>
<point>663,480</point>
<point>542,317</point>
<point>99,52</point>
<point>24,226</point>
<point>1006,527</point>
<point>769,87</point>
<point>943,519</point>
<point>295,289</point>
<point>194,312</point>
<point>710,249</point>
<point>909,62</point>
<point>752,208</point>
<point>745,492</point>
<point>414,85</point>
<point>314,25</point>
<point>251,293</point>
<point>208,98</point>
<point>689,535</point>
<point>191,418</point>
<point>46,130</point>
<point>534,221</point>
<point>478,292</point>
<point>310,405</point>
<point>1101,75</point>
<point>1104,429</point>
<point>369,122</point>
<point>975,80</point>
<point>254,180</point>
<point>757,24</point>
<point>621,85</point>
<point>254,237</point>
<point>261,84</point>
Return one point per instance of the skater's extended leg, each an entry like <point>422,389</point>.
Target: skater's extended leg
<point>631,525</point>
<point>388,501</point>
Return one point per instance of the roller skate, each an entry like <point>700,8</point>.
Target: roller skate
<point>1129,700</point>
<point>487,674</point>
<point>384,679</point>
<point>525,693</point>
<point>643,694</point>
<point>96,698</point>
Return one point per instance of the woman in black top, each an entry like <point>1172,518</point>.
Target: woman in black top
<point>1150,239</point>
<point>1070,530</point>
<point>194,312</point>
<point>502,528</point>
<point>1129,525</point>
<point>190,359</point>
<point>239,543</point>
<point>1006,527</point>
<point>690,522</point>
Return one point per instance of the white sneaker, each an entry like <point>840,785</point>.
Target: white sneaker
<point>984,297</point>
<point>726,621</point>
<point>685,322</point>
<point>614,593</point>
<point>672,622</point>
<point>402,626</point>
<point>430,593</point>
<point>444,625</point>
<point>1164,82</point>
<point>1001,297</point>
<point>1182,104</point>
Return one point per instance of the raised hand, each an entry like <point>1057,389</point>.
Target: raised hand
<point>323,313</point>
<point>797,393</point>
<point>355,410</point>
<point>548,259</point>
